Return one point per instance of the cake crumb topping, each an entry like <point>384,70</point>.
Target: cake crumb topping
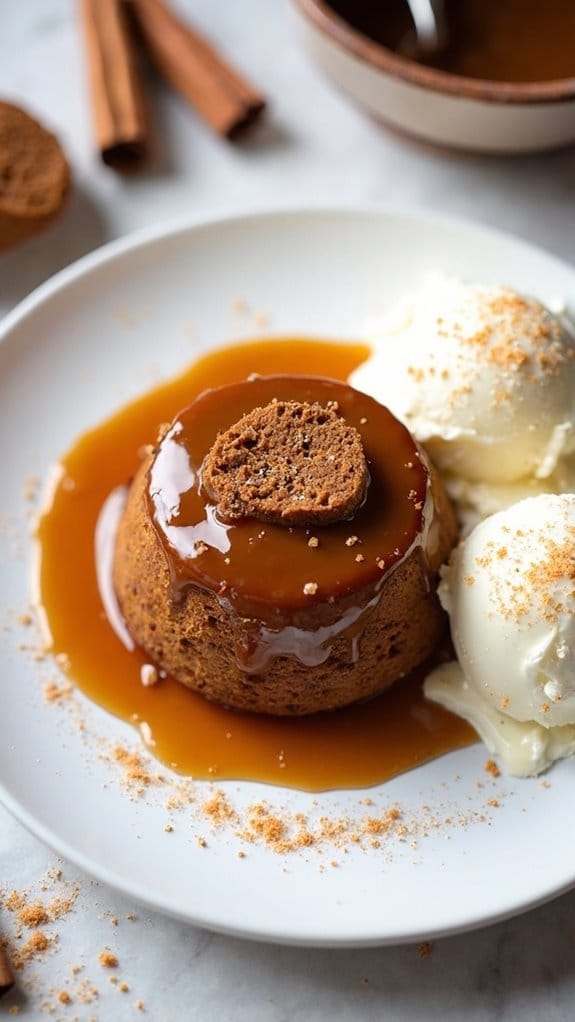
<point>277,464</point>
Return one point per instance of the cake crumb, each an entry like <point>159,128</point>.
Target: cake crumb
<point>313,541</point>
<point>123,987</point>
<point>310,588</point>
<point>35,947</point>
<point>492,768</point>
<point>139,1005</point>
<point>53,692</point>
<point>425,949</point>
<point>107,959</point>
<point>33,915</point>
<point>64,997</point>
<point>352,540</point>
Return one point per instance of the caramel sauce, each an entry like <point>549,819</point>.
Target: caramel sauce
<point>359,746</point>
<point>260,572</point>
<point>492,40</point>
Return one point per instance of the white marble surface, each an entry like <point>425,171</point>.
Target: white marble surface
<point>312,146</point>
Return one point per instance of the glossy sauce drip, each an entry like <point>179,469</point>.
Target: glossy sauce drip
<point>358,746</point>
<point>259,571</point>
<point>493,40</point>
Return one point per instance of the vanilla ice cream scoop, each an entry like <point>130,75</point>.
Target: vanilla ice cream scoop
<point>482,376</point>
<point>509,590</point>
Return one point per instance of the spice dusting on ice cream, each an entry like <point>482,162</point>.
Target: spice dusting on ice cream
<point>509,590</point>
<point>485,378</point>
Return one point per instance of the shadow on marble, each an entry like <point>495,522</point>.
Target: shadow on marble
<point>163,145</point>
<point>80,229</point>
<point>266,134</point>
<point>528,958</point>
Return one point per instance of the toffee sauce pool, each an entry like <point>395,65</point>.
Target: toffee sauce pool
<point>355,747</point>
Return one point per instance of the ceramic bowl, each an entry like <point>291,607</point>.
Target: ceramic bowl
<point>467,113</point>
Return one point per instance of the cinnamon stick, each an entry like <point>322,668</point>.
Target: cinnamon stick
<point>117,101</point>
<point>191,65</point>
<point>6,977</point>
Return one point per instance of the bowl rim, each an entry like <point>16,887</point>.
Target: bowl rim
<point>370,52</point>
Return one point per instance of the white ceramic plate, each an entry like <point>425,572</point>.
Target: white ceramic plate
<point>78,348</point>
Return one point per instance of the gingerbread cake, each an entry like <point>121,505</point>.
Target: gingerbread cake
<point>279,547</point>
<point>34,176</point>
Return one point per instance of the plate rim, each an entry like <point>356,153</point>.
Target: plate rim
<point>93,869</point>
<point>170,228</point>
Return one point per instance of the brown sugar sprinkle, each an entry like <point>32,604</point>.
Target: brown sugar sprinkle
<point>14,901</point>
<point>384,823</point>
<point>219,809</point>
<point>34,947</point>
<point>33,915</point>
<point>87,992</point>
<point>54,692</point>
<point>492,768</point>
<point>278,828</point>
<point>136,776</point>
<point>425,950</point>
<point>515,333</point>
<point>540,575</point>
<point>107,959</point>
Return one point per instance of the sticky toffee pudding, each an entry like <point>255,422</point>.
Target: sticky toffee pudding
<point>359,745</point>
<point>280,546</point>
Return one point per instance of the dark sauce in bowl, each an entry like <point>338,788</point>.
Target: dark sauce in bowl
<point>489,40</point>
